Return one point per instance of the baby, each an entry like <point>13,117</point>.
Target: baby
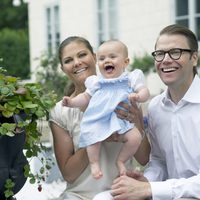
<point>103,94</point>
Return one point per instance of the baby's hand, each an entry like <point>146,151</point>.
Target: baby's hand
<point>66,101</point>
<point>134,97</point>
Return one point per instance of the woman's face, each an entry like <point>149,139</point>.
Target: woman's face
<point>78,62</point>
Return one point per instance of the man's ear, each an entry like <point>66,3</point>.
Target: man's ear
<point>195,58</point>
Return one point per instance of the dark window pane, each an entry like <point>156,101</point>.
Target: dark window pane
<point>181,7</point>
<point>197,6</point>
<point>198,28</point>
<point>183,22</point>
<point>112,3</point>
<point>100,4</point>
<point>100,21</point>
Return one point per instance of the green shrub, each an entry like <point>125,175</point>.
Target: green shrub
<point>14,49</point>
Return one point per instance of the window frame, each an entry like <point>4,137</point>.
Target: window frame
<point>52,17</point>
<point>105,30</point>
<point>191,17</point>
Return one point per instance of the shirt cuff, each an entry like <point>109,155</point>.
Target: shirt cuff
<point>161,190</point>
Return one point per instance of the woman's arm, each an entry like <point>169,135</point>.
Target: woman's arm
<point>135,115</point>
<point>71,164</point>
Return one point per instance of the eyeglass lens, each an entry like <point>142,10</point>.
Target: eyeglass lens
<point>174,54</point>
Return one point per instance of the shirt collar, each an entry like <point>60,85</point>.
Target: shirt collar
<point>192,95</point>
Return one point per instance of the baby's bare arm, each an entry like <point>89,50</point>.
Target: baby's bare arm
<point>78,101</point>
<point>140,96</point>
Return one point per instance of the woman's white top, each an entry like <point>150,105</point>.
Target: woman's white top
<point>85,187</point>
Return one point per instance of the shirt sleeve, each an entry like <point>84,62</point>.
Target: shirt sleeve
<point>92,84</point>
<point>65,117</point>
<point>57,117</point>
<point>176,188</point>
<point>137,79</point>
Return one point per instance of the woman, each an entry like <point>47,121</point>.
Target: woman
<point>78,61</point>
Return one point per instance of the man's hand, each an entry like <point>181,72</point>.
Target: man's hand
<point>136,175</point>
<point>131,113</point>
<point>127,188</point>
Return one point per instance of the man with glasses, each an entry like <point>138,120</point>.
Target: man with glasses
<point>174,125</point>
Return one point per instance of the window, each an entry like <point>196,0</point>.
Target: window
<point>187,13</point>
<point>197,18</point>
<point>107,19</point>
<point>182,12</point>
<point>53,28</point>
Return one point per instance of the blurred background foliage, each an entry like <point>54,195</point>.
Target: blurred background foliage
<point>14,42</point>
<point>14,51</point>
<point>145,63</point>
<point>49,74</point>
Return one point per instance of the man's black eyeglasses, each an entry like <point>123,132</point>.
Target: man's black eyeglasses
<point>174,54</point>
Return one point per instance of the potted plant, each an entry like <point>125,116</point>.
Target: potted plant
<point>22,106</point>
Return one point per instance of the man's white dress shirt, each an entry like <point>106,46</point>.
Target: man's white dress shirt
<point>174,130</point>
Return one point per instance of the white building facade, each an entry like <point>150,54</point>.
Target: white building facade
<point>135,22</point>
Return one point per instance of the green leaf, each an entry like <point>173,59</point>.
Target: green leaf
<point>42,170</point>
<point>9,126</point>
<point>5,90</point>
<point>8,193</point>
<point>48,167</point>
<point>28,154</point>
<point>9,183</point>
<point>12,79</point>
<point>7,113</point>
<point>9,107</point>
<point>7,129</point>
<point>9,186</point>
<point>32,180</point>
<point>13,102</point>
<point>9,133</point>
<point>2,108</point>
<point>26,170</point>
<point>40,113</point>
<point>28,104</point>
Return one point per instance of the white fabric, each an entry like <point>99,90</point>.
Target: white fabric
<point>103,196</point>
<point>174,131</point>
<point>85,187</point>
<point>136,79</point>
<point>100,120</point>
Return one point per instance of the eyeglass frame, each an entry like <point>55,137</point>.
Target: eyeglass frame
<point>168,52</point>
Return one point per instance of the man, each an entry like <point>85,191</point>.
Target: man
<point>174,125</point>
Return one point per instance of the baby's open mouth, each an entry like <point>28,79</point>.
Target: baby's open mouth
<point>109,68</point>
